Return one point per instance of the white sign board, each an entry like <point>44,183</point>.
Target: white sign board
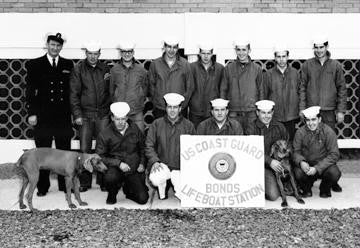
<point>222,171</point>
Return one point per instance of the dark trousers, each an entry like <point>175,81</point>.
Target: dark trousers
<point>329,177</point>
<point>246,119</point>
<point>92,125</point>
<point>272,191</point>
<point>196,119</point>
<point>157,113</point>
<point>328,117</point>
<point>134,186</point>
<point>43,137</point>
<point>290,128</point>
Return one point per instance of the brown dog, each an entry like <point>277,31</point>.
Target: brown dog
<point>280,151</point>
<point>66,163</point>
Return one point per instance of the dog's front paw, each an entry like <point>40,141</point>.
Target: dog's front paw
<point>22,206</point>
<point>284,204</point>
<point>72,205</point>
<point>301,201</point>
<point>83,203</point>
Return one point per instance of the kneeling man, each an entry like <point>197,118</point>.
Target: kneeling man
<point>121,147</point>
<point>219,123</point>
<point>316,153</point>
<point>162,146</point>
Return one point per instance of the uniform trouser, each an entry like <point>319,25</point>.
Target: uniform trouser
<point>134,186</point>
<point>290,128</point>
<point>92,125</point>
<point>328,117</point>
<point>138,119</point>
<point>329,177</point>
<point>157,113</point>
<point>271,187</point>
<point>246,119</point>
<point>196,119</point>
<point>43,137</point>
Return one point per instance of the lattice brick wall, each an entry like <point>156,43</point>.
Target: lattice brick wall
<point>13,113</point>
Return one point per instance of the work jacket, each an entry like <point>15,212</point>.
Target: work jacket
<point>210,127</point>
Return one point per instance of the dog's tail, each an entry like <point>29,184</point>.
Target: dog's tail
<point>18,169</point>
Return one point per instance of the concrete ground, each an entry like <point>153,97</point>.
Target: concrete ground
<point>9,189</point>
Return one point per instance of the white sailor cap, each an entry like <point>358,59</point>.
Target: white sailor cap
<point>311,112</point>
<point>219,103</point>
<point>127,45</point>
<point>92,46</point>
<point>280,47</point>
<point>241,42</point>
<point>206,46</point>
<point>320,40</point>
<point>265,105</point>
<point>173,99</point>
<point>120,109</point>
<point>171,41</point>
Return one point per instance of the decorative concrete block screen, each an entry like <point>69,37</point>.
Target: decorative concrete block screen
<point>13,113</point>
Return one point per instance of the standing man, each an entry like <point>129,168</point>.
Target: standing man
<point>129,83</point>
<point>170,73</point>
<point>323,84</point>
<point>47,94</point>
<point>242,85</point>
<point>272,130</point>
<point>316,153</point>
<point>219,123</point>
<point>207,75</point>
<point>162,145</point>
<point>282,85</point>
<point>89,99</point>
<point>121,147</point>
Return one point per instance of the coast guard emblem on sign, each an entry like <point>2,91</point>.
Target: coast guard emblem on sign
<point>222,166</point>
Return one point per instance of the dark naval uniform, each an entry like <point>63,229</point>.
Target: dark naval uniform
<point>47,96</point>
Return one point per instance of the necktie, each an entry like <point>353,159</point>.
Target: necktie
<point>53,63</point>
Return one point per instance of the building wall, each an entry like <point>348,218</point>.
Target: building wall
<point>181,6</point>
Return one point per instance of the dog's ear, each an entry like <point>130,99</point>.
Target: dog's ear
<point>87,165</point>
<point>273,148</point>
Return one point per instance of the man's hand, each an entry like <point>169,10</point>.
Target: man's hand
<point>124,167</point>
<point>304,166</point>
<point>311,171</point>
<point>141,168</point>
<point>340,117</point>
<point>276,166</point>
<point>79,121</point>
<point>32,120</point>
<point>156,167</point>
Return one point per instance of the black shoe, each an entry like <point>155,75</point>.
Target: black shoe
<point>306,194</point>
<point>325,194</point>
<point>111,199</point>
<point>40,194</point>
<point>336,188</point>
<point>83,188</point>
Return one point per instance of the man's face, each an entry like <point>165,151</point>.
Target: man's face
<point>205,56</point>
<point>219,113</point>
<point>92,57</point>
<point>320,50</point>
<point>127,55</point>
<point>242,52</point>
<point>120,122</point>
<point>265,116</point>
<point>171,51</point>
<point>173,112</point>
<point>281,58</point>
<point>313,123</point>
<point>53,48</point>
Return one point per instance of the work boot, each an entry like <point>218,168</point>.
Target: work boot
<point>336,188</point>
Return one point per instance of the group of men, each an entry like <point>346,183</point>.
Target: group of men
<point>238,99</point>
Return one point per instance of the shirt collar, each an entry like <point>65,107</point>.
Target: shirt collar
<point>50,59</point>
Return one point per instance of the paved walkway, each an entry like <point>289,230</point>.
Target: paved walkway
<point>349,198</point>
